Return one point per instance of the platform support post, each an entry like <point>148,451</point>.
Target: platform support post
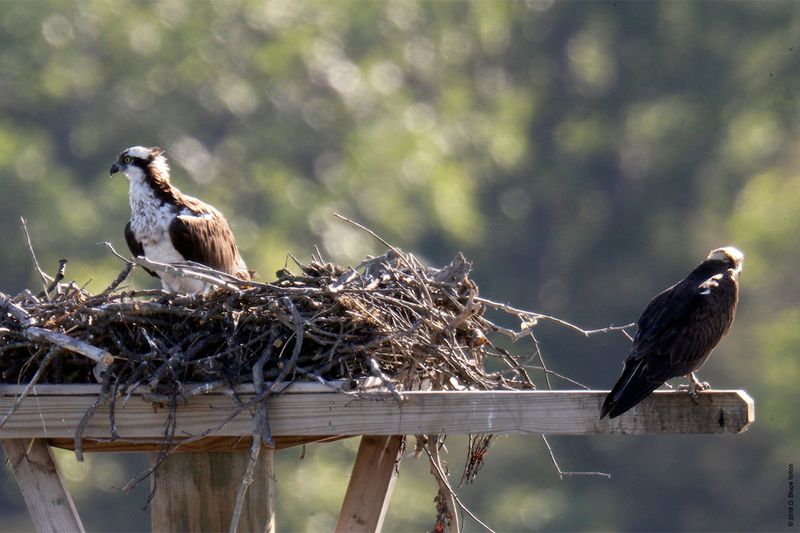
<point>371,483</point>
<point>42,485</point>
<point>197,492</point>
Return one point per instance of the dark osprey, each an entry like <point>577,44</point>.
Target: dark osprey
<point>169,227</point>
<point>678,329</point>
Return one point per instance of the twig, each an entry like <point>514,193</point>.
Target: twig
<point>117,254</point>
<point>62,265</point>
<point>36,377</point>
<point>298,344</point>
<point>439,471</point>
<point>45,279</point>
<point>247,480</point>
<point>562,474</point>
<point>533,317</point>
<point>122,276</point>
<point>98,355</point>
<point>261,418</point>
<point>442,480</point>
<point>101,398</point>
<point>182,272</point>
<point>17,312</point>
<point>377,237</point>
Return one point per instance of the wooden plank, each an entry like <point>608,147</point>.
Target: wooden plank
<point>39,478</point>
<point>371,483</point>
<point>197,492</point>
<point>331,413</point>
<point>207,444</point>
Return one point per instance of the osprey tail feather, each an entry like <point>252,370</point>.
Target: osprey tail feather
<point>631,388</point>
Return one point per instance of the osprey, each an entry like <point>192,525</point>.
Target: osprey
<point>678,329</point>
<point>169,227</point>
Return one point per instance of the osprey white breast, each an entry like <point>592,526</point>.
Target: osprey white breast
<point>168,227</point>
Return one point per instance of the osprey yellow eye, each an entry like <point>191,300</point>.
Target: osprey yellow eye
<point>127,159</point>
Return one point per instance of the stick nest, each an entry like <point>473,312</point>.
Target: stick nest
<point>411,326</point>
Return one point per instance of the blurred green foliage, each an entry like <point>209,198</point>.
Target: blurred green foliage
<point>584,155</point>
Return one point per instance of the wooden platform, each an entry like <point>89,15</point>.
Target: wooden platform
<point>312,411</point>
<point>304,413</point>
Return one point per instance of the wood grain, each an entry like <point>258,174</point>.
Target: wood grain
<point>371,483</point>
<point>46,496</point>
<point>44,414</point>
<point>197,492</point>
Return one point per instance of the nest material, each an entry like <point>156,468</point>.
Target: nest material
<point>411,326</point>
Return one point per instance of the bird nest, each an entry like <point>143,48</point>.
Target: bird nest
<point>410,326</point>
<point>391,319</point>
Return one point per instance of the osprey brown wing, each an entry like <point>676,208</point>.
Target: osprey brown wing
<point>207,239</point>
<point>678,330</point>
<point>135,246</point>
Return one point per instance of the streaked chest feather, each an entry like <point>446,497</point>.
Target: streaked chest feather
<point>150,218</point>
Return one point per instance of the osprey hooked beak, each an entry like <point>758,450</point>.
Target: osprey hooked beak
<point>138,156</point>
<point>121,163</point>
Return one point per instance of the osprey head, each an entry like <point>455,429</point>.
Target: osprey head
<point>136,160</point>
<point>729,255</point>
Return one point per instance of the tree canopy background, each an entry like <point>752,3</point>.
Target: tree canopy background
<point>583,155</point>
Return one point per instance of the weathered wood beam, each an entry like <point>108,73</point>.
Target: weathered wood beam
<point>46,496</point>
<point>207,444</point>
<point>371,483</point>
<point>43,414</point>
<point>197,492</point>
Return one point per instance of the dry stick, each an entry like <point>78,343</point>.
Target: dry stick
<point>400,254</point>
<point>520,313</point>
<point>378,237</point>
<point>538,316</point>
<point>199,268</point>
<point>123,275</point>
<point>442,479</point>
<point>298,344</point>
<point>247,480</point>
<point>432,449</point>
<point>62,266</point>
<point>513,363</point>
<point>167,447</point>
<point>561,473</point>
<point>36,377</point>
<point>101,398</point>
<point>541,360</point>
<point>42,276</point>
<point>98,355</point>
<point>183,270</point>
<point>16,311</point>
<point>561,376</point>
<point>262,415</point>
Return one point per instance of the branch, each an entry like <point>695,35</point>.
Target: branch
<point>45,279</point>
<point>17,312</point>
<point>98,355</point>
<point>247,480</point>
<point>442,480</point>
<point>192,271</point>
<point>562,474</point>
<point>42,366</point>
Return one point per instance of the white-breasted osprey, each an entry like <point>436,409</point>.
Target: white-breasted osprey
<point>169,227</point>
